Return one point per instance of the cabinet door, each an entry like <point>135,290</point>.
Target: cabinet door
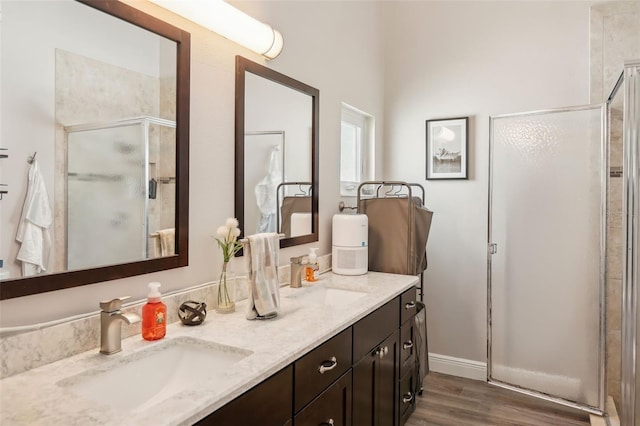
<point>375,385</point>
<point>331,408</point>
<point>268,404</point>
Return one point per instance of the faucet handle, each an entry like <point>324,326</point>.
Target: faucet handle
<point>113,305</point>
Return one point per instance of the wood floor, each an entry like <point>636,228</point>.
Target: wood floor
<point>454,401</point>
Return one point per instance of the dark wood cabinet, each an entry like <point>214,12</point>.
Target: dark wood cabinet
<point>366,375</point>
<point>375,380</point>
<point>331,408</point>
<point>268,404</point>
<point>375,371</point>
<point>407,366</point>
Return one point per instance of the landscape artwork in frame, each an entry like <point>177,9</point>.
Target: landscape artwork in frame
<point>447,146</point>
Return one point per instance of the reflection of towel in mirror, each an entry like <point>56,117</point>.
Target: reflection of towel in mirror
<point>265,192</point>
<point>33,229</point>
<point>167,241</point>
<point>261,259</point>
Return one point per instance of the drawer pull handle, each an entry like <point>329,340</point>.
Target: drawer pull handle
<point>407,398</point>
<point>328,423</point>
<point>407,345</point>
<point>410,305</point>
<point>328,365</point>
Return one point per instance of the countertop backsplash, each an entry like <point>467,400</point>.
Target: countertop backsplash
<point>24,351</point>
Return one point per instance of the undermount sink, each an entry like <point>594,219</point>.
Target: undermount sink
<point>142,379</point>
<point>327,295</point>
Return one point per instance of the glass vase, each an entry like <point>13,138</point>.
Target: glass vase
<point>226,291</point>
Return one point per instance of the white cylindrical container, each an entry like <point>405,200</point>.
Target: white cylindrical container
<point>350,244</point>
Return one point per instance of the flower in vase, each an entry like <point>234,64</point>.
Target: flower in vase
<point>228,242</point>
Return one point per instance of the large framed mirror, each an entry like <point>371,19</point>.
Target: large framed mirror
<point>276,163</point>
<point>95,130</point>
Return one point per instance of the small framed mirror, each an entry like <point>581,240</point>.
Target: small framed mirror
<point>276,162</point>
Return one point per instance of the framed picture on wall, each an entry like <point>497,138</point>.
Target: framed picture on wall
<point>447,148</point>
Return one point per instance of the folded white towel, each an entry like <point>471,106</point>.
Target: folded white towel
<point>33,229</point>
<point>261,259</point>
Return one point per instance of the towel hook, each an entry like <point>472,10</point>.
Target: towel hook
<point>32,158</point>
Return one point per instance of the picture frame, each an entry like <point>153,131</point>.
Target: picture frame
<point>447,147</point>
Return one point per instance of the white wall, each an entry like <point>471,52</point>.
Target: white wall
<point>332,46</point>
<point>452,59</point>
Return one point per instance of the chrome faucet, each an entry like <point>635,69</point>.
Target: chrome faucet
<point>110,330</point>
<point>297,266</point>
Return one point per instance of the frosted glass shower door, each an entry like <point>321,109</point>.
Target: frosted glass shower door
<point>546,255</point>
<point>106,196</point>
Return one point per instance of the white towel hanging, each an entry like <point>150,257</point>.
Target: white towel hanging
<point>33,229</point>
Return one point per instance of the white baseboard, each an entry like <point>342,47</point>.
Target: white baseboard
<point>460,367</point>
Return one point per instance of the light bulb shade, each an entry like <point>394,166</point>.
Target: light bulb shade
<point>230,23</point>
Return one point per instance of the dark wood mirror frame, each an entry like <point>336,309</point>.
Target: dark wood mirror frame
<point>243,66</point>
<point>57,281</point>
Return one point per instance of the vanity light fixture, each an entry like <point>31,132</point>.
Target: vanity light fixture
<point>230,23</point>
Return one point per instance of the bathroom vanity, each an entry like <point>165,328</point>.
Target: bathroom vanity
<point>365,375</point>
<point>340,352</point>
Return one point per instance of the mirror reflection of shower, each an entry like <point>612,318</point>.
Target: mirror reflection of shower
<point>120,184</point>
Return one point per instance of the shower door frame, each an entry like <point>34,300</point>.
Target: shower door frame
<point>630,362</point>
<point>604,150</point>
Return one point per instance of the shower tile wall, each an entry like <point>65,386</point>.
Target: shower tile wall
<point>615,37</point>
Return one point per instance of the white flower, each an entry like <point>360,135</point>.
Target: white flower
<point>236,232</point>
<point>232,223</point>
<point>223,232</point>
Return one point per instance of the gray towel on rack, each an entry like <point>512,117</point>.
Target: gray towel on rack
<point>261,259</point>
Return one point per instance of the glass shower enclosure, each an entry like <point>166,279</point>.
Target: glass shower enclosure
<point>563,231</point>
<point>108,189</point>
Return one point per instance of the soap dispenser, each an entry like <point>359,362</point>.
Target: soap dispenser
<point>311,273</point>
<point>154,315</point>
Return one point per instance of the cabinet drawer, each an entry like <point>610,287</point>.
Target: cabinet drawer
<point>332,407</point>
<point>408,306</point>
<point>374,328</point>
<point>321,367</point>
<point>267,404</point>
<point>407,347</point>
<point>407,397</point>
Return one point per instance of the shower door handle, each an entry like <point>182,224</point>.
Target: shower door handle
<point>493,248</point>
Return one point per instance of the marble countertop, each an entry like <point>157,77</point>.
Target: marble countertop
<point>36,397</point>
